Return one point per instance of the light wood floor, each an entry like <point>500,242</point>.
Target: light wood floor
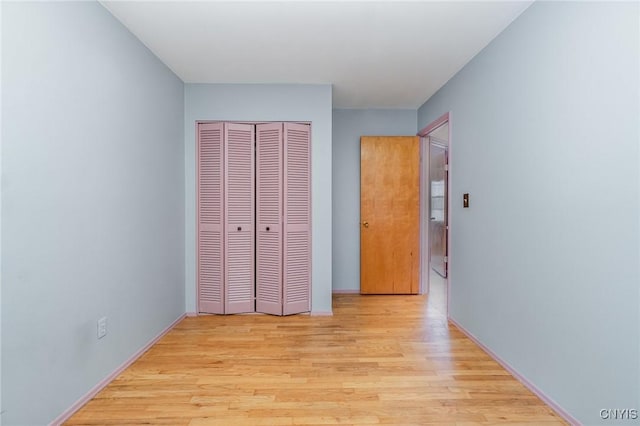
<point>378,360</point>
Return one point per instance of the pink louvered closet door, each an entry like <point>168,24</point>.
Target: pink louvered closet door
<point>269,182</point>
<point>254,218</point>
<point>210,272</point>
<point>239,218</point>
<point>297,219</point>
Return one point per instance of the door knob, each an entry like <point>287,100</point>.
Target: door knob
<point>433,218</point>
<point>268,228</point>
<point>239,228</point>
<point>365,224</point>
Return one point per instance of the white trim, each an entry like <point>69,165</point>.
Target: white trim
<point>115,373</point>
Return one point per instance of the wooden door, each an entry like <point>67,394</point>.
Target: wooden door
<point>389,214</point>
<point>239,218</point>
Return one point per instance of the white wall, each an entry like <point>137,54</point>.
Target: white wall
<point>348,126</point>
<point>92,202</point>
<point>267,102</point>
<point>544,264</point>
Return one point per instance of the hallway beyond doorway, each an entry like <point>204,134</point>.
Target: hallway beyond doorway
<point>437,297</point>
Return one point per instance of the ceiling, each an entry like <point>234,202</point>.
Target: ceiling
<point>375,54</point>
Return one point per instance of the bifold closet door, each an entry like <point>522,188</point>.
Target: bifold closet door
<point>297,219</point>
<point>239,218</point>
<point>269,182</point>
<point>239,270</point>
<point>210,195</point>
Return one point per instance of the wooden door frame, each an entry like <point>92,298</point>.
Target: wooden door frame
<point>424,199</point>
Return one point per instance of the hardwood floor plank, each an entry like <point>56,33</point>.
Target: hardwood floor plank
<point>388,360</point>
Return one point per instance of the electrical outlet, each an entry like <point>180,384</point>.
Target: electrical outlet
<point>102,327</point>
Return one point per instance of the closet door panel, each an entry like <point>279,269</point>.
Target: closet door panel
<point>297,219</point>
<point>239,216</point>
<point>210,209</point>
<point>269,218</point>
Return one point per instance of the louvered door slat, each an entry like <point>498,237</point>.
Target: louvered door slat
<point>297,219</point>
<point>210,213</point>
<point>239,217</point>
<point>269,217</point>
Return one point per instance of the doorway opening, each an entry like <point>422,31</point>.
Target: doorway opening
<point>435,215</point>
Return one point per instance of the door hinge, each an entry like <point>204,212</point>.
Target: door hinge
<point>446,259</point>
<point>446,167</point>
